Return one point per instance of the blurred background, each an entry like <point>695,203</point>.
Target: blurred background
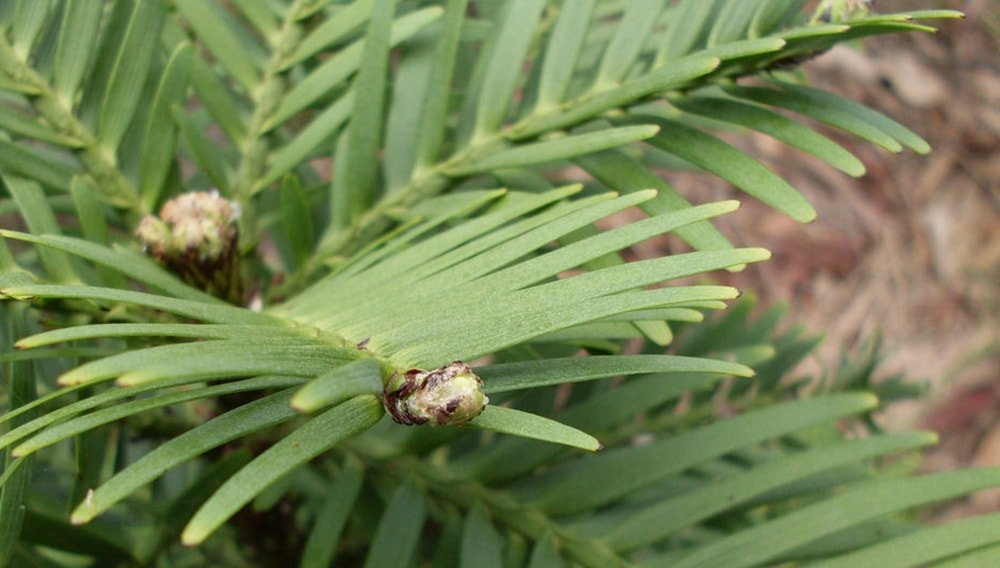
<point>911,251</point>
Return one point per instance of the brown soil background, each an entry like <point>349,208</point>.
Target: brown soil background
<point>910,251</point>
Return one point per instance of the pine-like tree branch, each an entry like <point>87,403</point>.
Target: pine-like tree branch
<point>99,162</point>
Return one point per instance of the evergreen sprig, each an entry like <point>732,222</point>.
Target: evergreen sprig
<point>438,255</point>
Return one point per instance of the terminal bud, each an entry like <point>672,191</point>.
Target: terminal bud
<point>451,394</point>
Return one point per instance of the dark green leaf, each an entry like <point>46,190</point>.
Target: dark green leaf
<point>40,219</point>
<point>777,126</point>
<point>126,262</point>
<point>482,546</point>
<point>320,129</point>
<point>504,64</point>
<point>87,422</point>
<point>204,153</point>
<point>161,130</point>
<point>260,414</point>
<point>601,479</point>
<point>339,67</point>
<point>545,554</point>
<point>732,165</point>
<point>104,544</point>
<point>216,28</point>
<point>562,52</point>
<point>128,74</point>
<point>764,541</point>
<point>623,50</point>
<point>29,17</point>
<point>925,547</point>
<point>321,547</point>
<point>626,174</point>
<point>308,441</point>
<point>208,482</point>
<point>32,164</point>
<point>15,488</point>
<point>360,157</point>
<point>397,535</point>
<point>297,218</point>
<point>666,517</point>
<point>332,30</point>
<point>434,112</point>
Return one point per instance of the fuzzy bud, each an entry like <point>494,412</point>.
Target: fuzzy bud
<point>196,237</point>
<point>452,394</point>
<point>201,224</point>
<point>833,11</point>
<point>154,235</point>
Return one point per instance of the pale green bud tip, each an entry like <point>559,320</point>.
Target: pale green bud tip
<point>452,394</point>
<point>832,11</point>
<point>155,235</point>
<point>199,223</point>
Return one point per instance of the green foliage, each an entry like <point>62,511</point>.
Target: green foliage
<point>144,410</point>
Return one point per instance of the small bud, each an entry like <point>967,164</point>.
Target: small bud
<point>452,394</point>
<point>200,224</point>
<point>196,237</point>
<point>155,235</point>
<point>834,11</point>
